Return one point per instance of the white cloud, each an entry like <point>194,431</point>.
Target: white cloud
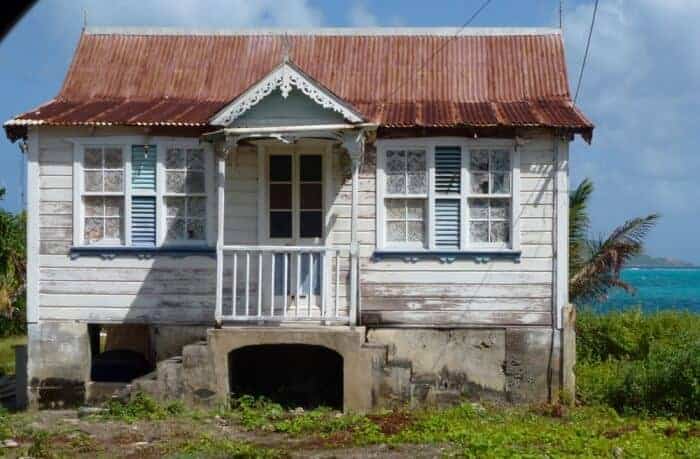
<point>642,90</point>
<point>360,16</point>
<point>192,13</point>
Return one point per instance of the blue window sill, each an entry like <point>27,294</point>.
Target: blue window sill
<point>448,256</point>
<point>109,253</point>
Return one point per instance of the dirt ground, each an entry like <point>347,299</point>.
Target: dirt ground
<point>90,437</point>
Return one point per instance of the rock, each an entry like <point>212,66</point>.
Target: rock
<point>84,411</point>
<point>298,410</point>
<point>618,452</point>
<point>10,443</point>
<point>139,444</point>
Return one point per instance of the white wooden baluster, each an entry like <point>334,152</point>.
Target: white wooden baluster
<point>247,283</point>
<point>260,259</point>
<point>272,285</point>
<point>298,303</point>
<point>311,284</point>
<point>284,292</point>
<point>235,279</point>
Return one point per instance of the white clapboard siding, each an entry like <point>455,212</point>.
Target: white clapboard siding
<point>455,304</point>
<point>501,292</point>
<point>455,318</point>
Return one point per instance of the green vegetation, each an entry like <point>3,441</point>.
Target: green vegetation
<point>210,446</point>
<point>7,353</point>
<point>13,262</point>
<point>646,364</point>
<point>142,408</point>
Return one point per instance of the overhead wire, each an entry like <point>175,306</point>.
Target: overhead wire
<point>585,54</point>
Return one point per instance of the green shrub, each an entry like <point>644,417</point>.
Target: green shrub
<point>629,334</point>
<point>666,383</point>
<point>640,363</point>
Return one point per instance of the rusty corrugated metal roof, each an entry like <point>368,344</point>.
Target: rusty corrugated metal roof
<point>514,78</point>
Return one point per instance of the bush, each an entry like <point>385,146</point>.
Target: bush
<point>640,363</point>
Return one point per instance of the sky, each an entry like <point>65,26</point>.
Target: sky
<point>641,85</point>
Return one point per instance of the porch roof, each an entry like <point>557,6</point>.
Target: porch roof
<point>393,77</point>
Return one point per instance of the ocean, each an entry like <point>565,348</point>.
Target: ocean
<point>657,289</point>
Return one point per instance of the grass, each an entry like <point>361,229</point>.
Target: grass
<point>7,353</point>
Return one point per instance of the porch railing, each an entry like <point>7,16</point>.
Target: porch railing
<point>284,283</point>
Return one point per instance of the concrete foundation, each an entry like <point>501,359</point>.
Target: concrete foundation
<point>58,364</point>
<point>382,367</point>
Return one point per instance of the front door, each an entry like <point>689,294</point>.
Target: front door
<point>295,217</point>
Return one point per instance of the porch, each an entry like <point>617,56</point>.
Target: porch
<point>278,260</point>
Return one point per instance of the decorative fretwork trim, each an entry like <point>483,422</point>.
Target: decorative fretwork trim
<point>283,78</point>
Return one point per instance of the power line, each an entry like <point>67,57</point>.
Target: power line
<point>439,50</point>
<point>585,54</point>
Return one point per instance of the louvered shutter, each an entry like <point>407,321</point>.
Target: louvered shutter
<point>447,223</point>
<point>143,203</point>
<point>448,166</point>
<point>143,167</point>
<point>143,221</point>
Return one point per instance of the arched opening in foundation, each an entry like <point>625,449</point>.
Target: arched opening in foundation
<point>294,375</point>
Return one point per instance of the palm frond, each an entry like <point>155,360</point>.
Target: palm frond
<point>579,224</point>
<point>600,269</point>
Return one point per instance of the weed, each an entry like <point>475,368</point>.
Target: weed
<point>143,407</point>
<point>211,447</point>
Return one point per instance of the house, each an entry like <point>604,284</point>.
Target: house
<point>355,217</point>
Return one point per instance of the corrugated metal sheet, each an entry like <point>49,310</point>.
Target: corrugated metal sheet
<point>182,80</point>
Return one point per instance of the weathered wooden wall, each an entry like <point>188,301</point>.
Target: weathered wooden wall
<point>163,289</point>
<point>500,292</point>
<point>167,289</point>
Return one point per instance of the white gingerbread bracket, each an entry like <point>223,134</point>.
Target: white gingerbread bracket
<point>284,77</point>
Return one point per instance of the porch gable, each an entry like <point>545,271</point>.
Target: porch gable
<point>285,95</point>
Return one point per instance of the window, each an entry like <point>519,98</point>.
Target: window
<point>446,195</point>
<point>295,196</point>
<point>103,195</point>
<point>490,197</point>
<point>141,195</point>
<point>185,195</point>
<point>406,195</point>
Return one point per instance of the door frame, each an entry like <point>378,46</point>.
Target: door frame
<point>267,149</point>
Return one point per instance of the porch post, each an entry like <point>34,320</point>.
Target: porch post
<point>354,144</point>
<point>220,187</point>
<point>223,151</point>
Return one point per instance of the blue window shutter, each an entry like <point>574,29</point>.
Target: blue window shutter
<point>447,223</point>
<point>143,167</point>
<point>448,166</point>
<point>143,221</point>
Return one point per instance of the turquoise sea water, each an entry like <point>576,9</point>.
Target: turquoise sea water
<point>657,288</point>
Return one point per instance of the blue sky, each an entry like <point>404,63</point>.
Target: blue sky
<point>641,87</point>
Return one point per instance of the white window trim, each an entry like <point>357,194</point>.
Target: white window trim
<point>126,143</point>
<point>429,144</point>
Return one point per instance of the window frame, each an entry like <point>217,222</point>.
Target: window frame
<point>82,194</point>
<point>466,146</point>
<point>264,152</point>
<point>126,143</point>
